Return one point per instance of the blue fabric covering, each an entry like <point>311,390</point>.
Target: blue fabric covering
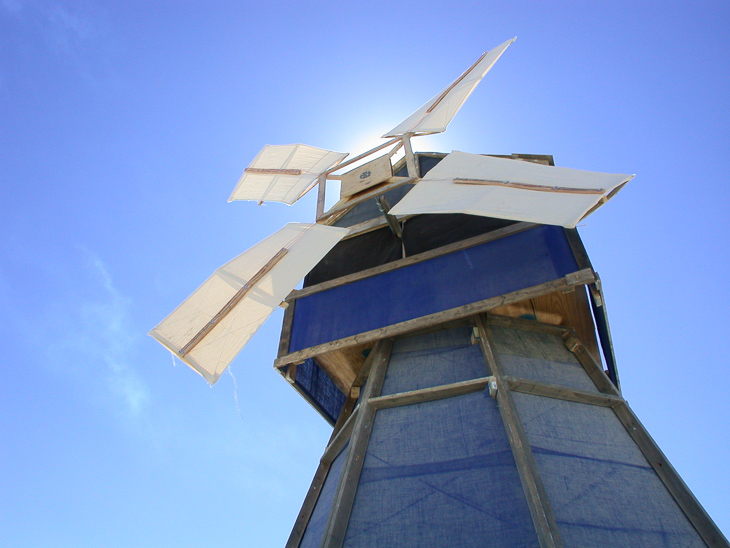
<point>539,357</point>
<point>318,521</point>
<point>602,490</point>
<point>319,387</point>
<point>440,474</point>
<point>525,259</point>
<point>433,359</point>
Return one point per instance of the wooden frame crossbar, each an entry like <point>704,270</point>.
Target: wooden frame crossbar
<point>529,186</point>
<point>455,83</point>
<point>272,171</point>
<point>240,294</point>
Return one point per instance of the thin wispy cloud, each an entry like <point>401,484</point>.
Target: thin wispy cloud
<point>114,333</point>
<point>97,340</point>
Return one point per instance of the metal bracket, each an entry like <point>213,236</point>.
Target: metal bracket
<point>492,385</point>
<point>393,223</point>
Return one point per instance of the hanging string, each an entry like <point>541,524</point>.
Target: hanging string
<point>235,392</point>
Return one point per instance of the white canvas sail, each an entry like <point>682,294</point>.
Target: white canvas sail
<point>434,116</point>
<point>284,173</point>
<point>211,326</point>
<point>510,189</point>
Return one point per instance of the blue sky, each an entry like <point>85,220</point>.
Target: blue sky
<point>125,126</point>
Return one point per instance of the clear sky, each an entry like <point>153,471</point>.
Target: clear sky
<point>124,126</point>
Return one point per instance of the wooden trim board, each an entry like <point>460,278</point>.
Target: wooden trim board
<point>430,394</point>
<point>586,276</point>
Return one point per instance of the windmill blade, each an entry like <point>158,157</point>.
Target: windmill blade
<point>434,116</point>
<point>510,189</point>
<point>211,326</point>
<point>284,173</point>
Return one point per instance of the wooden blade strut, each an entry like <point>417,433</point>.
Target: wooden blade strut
<point>233,302</point>
<point>528,186</point>
<point>456,83</point>
<point>260,171</point>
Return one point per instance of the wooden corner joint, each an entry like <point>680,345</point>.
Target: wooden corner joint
<point>572,342</point>
<point>291,373</point>
<point>585,276</point>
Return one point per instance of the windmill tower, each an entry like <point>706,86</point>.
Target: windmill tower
<point>452,330</point>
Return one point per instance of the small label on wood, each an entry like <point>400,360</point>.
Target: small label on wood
<point>366,176</point>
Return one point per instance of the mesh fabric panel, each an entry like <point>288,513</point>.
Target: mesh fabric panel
<point>521,260</point>
<point>318,521</point>
<point>440,474</point>
<point>437,358</point>
<point>539,357</point>
<point>320,388</point>
<point>602,490</point>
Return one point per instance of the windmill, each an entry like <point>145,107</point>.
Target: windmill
<point>447,329</point>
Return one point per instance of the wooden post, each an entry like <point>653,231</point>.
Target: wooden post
<point>321,195</point>
<point>411,163</point>
<point>334,534</point>
<point>542,515</point>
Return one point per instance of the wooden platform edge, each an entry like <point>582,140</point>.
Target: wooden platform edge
<point>565,283</point>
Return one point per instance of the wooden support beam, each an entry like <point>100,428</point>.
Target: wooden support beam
<point>348,408</point>
<point>562,393</point>
<point>537,501</point>
<point>591,366</point>
<point>604,329</point>
<point>528,186</point>
<point>430,394</point>
<point>524,324</point>
<point>240,294</point>
<point>576,245</point>
<point>270,171</point>
<point>340,439</point>
<point>411,160</point>
<point>434,319</point>
<point>691,507</point>
<point>393,223</point>
<point>310,501</point>
<point>666,472</point>
<point>334,534</point>
<point>321,195</point>
<point>286,327</point>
